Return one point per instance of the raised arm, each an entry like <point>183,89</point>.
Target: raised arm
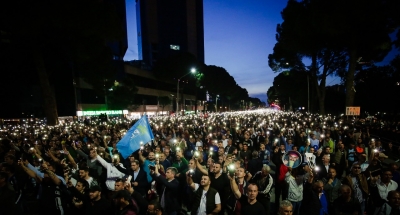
<point>28,171</point>
<point>141,157</point>
<point>235,188</point>
<point>200,167</point>
<point>189,181</point>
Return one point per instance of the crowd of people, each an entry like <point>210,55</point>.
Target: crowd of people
<point>239,163</point>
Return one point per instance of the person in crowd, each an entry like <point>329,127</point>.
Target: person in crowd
<point>245,154</point>
<point>180,164</point>
<point>351,155</point>
<point>346,203</point>
<point>98,204</point>
<point>206,199</point>
<point>248,203</point>
<point>139,204</point>
<point>220,182</point>
<point>164,161</point>
<point>124,205</point>
<point>170,190</point>
<point>149,161</point>
<point>328,142</point>
<point>281,170</point>
<point>80,196</point>
<point>288,144</point>
<point>264,182</point>
<point>380,187</point>
<point>314,141</point>
<point>392,207</point>
<point>395,172</point>
<point>154,208</point>
<point>324,167</point>
<point>331,188</point>
<point>339,160</point>
<point>84,174</point>
<point>95,168</point>
<point>7,196</point>
<point>285,208</point>
<point>229,147</point>
<point>52,186</point>
<point>13,181</point>
<point>138,177</point>
<point>255,164</point>
<point>295,188</point>
<point>233,204</point>
<point>112,172</point>
<point>264,154</point>
<point>314,199</point>
<point>358,184</point>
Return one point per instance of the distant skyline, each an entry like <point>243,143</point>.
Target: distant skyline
<point>238,36</point>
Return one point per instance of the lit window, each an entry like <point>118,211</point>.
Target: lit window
<point>174,47</point>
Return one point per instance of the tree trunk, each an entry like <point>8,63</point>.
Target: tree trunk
<point>322,87</point>
<point>49,100</point>
<point>350,90</point>
<point>314,77</point>
<point>321,98</point>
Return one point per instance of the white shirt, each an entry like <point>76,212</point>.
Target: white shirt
<point>327,168</point>
<point>135,173</point>
<point>199,143</point>
<point>112,172</point>
<point>384,190</point>
<point>225,142</point>
<point>202,207</point>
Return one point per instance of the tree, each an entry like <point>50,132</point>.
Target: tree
<point>334,34</point>
<point>362,28</point>
<point>304,34</point>
<point>376,87</point>
<point>121,94</point>
<point>290,88</point>
<point>163,101</point>
<point>72,32</point>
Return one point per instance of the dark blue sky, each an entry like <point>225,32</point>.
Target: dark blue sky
<point>238,35</point>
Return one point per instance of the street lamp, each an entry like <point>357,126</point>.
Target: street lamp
<point>193,70</point>
<point>216,103</point>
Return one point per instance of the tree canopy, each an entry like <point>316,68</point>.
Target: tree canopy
<point>61,35</point>
<point>334,34</point>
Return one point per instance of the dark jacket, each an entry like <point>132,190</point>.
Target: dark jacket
<point>322,173</point>
<point>171,193</point>
<point>99,207</point>
<point>141,179</point>
<point>7,200</point>
<point>311,204</point>
<point>131,209</point>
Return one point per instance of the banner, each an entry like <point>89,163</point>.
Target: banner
<point>139,133</point>
<point>352,111</point>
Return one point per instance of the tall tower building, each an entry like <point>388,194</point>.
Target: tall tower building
<point>166,27</point>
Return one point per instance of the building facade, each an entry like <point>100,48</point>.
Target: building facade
<point>166,27</point>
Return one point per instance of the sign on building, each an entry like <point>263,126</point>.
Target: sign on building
<point>352,111</point>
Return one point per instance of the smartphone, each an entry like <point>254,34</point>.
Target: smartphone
<point>152,167</point>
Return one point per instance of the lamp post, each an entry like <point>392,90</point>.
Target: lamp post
<point>193,70</point>
<point>216,103</point>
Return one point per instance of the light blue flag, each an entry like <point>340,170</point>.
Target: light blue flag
<point>139,133</point>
